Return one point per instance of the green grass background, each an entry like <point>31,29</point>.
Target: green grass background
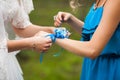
<point>67,66</point>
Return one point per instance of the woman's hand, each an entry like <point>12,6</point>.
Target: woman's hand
<point>70,19</point>
<point>40,43</point>
<point>61,17</point>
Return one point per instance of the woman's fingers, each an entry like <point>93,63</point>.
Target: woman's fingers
<point>46,47</point>
<point>61,17</point>
<point>57,21</point>
<point>41,43</point>
<point>57,24</point>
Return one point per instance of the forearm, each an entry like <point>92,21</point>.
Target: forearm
<point>31,30</point>
<point>75,23</point>
<point>85,49</point>
<point>14,45</point>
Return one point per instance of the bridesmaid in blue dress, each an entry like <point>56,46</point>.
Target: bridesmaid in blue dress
<point>100,42</point>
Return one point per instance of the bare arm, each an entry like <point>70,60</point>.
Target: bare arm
<point>106,28</point>
<point>70,19</point>
<point>31,30</point>
<point>28,33</point>
<point>37,43</point>
<point>76,23</point>
<point>14,45</point>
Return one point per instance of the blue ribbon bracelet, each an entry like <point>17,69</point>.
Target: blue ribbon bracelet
<point>52,36</point>
<point>58,33</point>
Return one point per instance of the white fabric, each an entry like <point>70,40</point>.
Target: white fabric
<point>12,13</point>
<point>28,5</point>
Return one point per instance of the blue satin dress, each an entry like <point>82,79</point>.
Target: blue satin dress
<point>107,65</point>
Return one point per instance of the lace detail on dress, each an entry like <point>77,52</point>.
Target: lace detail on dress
<point>3,66</point>
<point>28,5</point>
<point>10,12</point>
<point>16,13</point>
<point>20,19</point>
<point>3,72</point>
<point>3,44</point>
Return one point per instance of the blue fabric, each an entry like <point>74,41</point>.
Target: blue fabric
<point>60,33</point>
<point>107,65</point>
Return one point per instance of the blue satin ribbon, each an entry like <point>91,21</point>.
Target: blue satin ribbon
<point>52,36</point>
<point>58,33</point>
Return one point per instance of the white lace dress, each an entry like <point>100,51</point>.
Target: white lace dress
<point>12,13</point>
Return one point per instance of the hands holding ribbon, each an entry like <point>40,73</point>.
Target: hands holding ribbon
<point>58,33</point>
<point>49,38</point>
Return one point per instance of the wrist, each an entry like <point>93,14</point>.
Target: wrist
<point>30,43</point>
<point>52,29</point>
<point>70,19</point>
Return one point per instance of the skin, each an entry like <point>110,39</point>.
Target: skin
<point>104,31</point>
<point>31,39</point>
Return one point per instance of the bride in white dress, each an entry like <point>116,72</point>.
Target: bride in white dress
<point>14,20</point>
